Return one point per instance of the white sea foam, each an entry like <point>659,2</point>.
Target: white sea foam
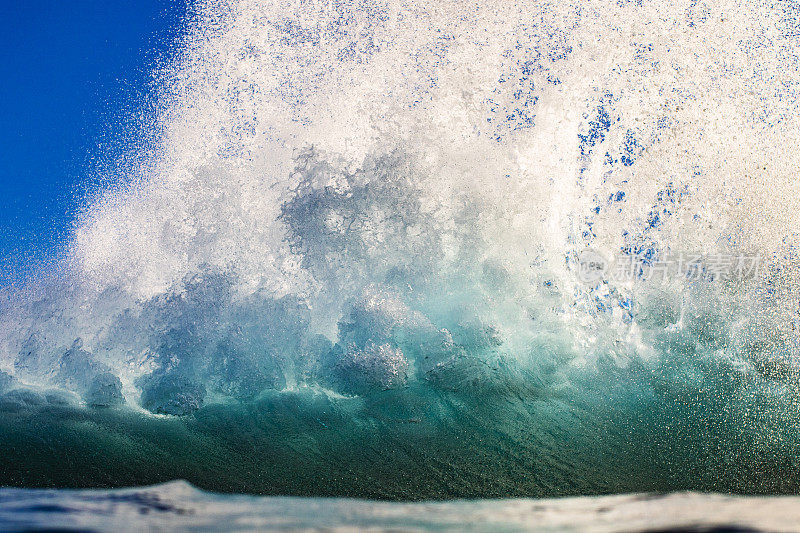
<point>362,195</point>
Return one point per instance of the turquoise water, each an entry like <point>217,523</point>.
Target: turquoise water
<point>378,250</point>
<point>416,443</point>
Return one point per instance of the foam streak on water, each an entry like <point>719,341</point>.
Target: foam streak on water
<point>178,506</point>
<point>347,268</point>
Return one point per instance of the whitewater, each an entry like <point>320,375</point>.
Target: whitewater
<point>346,256</point>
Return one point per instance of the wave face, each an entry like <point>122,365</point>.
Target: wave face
<point>351,263</point>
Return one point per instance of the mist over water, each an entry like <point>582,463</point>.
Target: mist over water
<point>350,265</point>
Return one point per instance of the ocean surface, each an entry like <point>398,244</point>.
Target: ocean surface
<point>177,506</point>
<point>414,251</point>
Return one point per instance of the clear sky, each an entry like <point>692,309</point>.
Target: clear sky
<point>72,73</point>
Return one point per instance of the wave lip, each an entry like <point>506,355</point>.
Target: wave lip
<point>349,269</point>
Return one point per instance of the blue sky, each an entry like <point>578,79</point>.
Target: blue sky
<point>73,73</point>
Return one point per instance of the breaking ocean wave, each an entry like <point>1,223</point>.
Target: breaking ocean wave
<point>349,264</point>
